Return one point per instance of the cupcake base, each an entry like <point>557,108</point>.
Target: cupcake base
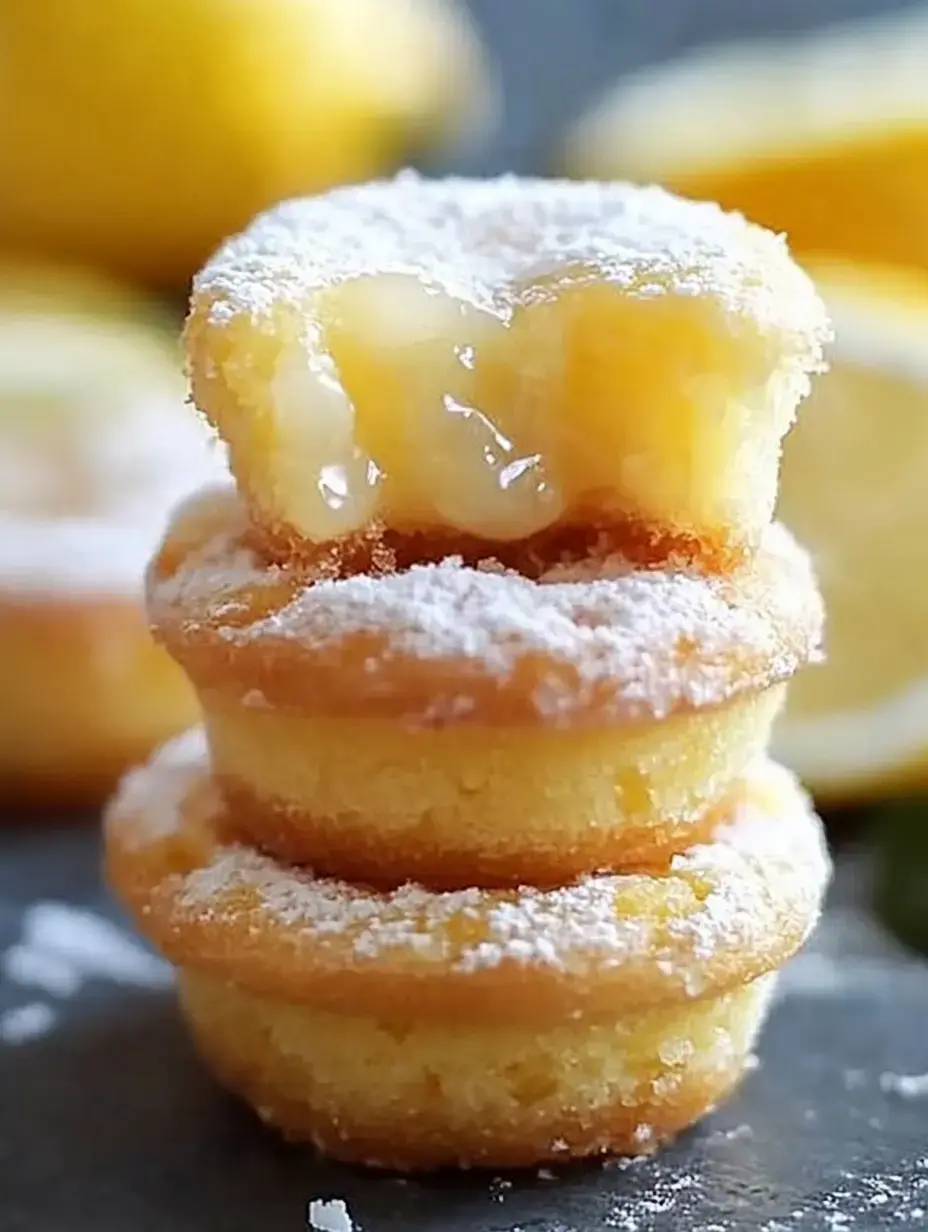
<point>415,1029</point>
<point>412,1096</point>
<point>459,806</point>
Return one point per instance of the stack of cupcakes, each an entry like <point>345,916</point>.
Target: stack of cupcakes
<point>478,858</point>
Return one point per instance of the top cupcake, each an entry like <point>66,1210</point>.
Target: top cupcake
<point>505,360</point>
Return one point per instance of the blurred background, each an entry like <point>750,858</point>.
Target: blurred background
<point>136,134</point>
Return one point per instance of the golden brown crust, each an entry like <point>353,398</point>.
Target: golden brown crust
<point>592,642</point>
<point>372,801</point>
<point>581,538</point>
<point>396,1095</point>
<point>353,848</point>
<point>610,1132</point>
<point>722,915</point>
<point>86,693</point>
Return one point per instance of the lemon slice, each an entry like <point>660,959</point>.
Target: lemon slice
<point>824,136</point>
<point>96,442</point>
<point>855,491</point>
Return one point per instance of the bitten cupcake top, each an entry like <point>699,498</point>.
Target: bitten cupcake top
<point>500,358</point>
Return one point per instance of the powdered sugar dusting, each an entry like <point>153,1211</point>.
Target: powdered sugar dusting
<point>155,792</point>
<point>26,1022</point>
<point>500,243</point>
<point>628,627</point>
<point>216,571</point>
<point>907,1086</point>
<point>676,1198</point>
<point>729,893</point>
<point>653,638</point>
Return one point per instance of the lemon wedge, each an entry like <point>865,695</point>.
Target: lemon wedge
<point>93,420</point>
<point>824,136</point>
<point>30,288</point>
<point>137,134</point>
<point>855,492</point>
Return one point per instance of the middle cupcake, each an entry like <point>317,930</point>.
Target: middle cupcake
<point>465,724</point>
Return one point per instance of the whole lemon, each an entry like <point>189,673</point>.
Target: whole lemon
<point>136,134</point>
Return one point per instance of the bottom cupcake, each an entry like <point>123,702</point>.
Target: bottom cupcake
<point>414,1030</point>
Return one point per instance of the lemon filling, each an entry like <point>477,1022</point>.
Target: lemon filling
<point>428,412</point>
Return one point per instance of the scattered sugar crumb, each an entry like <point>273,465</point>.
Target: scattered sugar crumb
<point>908,1086</point>
<point>666,1187</point>
<point>330,1215</point>
<point>62,946</point>
<point>860,1200</point>
<point>732,1135</point>
<point>35,968</point>
<point>498,1187</point>
<point>857,1202</point>
<point>96,947</point>
<point>26,1022</point>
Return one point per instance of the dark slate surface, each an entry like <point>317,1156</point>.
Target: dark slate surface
<point>108,1125</point>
